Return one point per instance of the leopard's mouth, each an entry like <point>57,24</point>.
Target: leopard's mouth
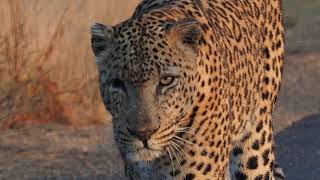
<point>144,152</point>
<point>155,147</point>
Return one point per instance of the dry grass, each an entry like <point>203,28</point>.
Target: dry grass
<point>47,72</point>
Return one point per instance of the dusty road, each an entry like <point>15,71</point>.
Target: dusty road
<point>57,152</point>
<point>298,149</point>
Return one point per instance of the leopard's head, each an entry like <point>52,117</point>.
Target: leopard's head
<point>148,72</point>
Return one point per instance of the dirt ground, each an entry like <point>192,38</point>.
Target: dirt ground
<point>60,152</point>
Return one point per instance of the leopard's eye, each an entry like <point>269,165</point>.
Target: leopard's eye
<point>167,80</point>
<point>117,84</point>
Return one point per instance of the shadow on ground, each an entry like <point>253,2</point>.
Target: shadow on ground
<point>298,149</point>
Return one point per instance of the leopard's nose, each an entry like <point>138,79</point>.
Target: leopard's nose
<point>144,136</point>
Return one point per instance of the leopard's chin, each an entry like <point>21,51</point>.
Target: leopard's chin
<point>144,155</point>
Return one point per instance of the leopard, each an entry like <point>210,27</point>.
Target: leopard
<point>191,86</point>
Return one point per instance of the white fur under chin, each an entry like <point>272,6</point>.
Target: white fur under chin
<point>144,155</point>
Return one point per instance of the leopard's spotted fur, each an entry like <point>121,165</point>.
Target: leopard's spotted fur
<point>191,85</point>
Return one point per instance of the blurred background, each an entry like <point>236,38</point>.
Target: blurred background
<point>53,123</point>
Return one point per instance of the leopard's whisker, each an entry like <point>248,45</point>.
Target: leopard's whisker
<point>187,146</point>
<point>182,152</point>
<point>182,143</point>
<point>175,157</point>
<point>180,155</point>
<point>177,137</point>
<point>181,149</point>
<point>186,129</point>
<point>187,132</point>
<point>170,156</point>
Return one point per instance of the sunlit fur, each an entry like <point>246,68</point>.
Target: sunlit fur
<point>140,68</point>
<point>213,121</point>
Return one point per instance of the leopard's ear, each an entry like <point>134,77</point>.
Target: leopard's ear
<point>102,38</point>
<point>186,34</point>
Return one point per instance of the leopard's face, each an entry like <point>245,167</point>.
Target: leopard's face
<point>148,81</point>
<point>148,114</point>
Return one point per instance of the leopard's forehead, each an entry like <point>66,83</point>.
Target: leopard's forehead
<point>141,49</point>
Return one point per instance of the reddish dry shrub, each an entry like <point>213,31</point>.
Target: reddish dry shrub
<point>33,104</point>
<point>32,98</point>
<point>48,74</point>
